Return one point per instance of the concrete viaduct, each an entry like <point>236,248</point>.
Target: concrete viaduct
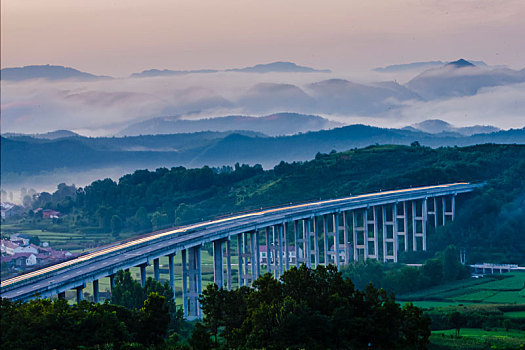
<point>370,226</point>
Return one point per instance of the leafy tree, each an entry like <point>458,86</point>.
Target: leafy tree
<point>127,292</point>
<point>155,318</point>
<point>200,338</point>
<point>456,320</point>
<point>116,225</point>
<point>451,265</point>
<point>34,240</point>
<point>159,220</point>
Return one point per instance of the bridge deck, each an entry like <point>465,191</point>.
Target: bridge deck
<point>107,261</point>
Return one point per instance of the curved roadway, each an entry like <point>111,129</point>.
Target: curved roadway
<point>108,260</point>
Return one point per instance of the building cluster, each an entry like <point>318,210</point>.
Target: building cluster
<point>19,253</point>
<point>8,210</point>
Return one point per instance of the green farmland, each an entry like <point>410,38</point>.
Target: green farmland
<point>473,339</point>
<point>508,288</point>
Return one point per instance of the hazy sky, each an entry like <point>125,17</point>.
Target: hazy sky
<point>118,37</point>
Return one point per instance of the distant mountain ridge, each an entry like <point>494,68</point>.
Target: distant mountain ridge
<point>273,67</point>
<point>280,67</point>
<point>48,72</point>
<point>273,125</point>
<point>436,126</point>
<point>31,156</point>
<point>419,65</point>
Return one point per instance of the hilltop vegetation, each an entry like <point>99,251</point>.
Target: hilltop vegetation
<point>491,217</point>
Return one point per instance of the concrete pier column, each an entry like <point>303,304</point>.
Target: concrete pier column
<point>453,207</point>
<point>254,256</point>
<point>156,269</point>
<point>286,250</point>
<point>281,252</point>
<point>143,274</point>
<point>257,255</point>
<point>228,265</point>
<point>444,208</point>
<point>414,226</point>
<point>171,268</point>
<point>296,241</point>
<point>336,240</point>
<point>246,255</point>
<point>395,232</point>
<point>346,239</point>
<point>307,243</point>
<point>80,292</point>
<point>424,221</point>
<point>435,212</point>
<point>218,271</point>
<point>62,295</point>
<point>325,241</point>
<point>376,233</point>
<point>365,232</point>
<point>268,251</point>
<point>195,283</point>
<point>111,282</point>
<point>184,283</point>
<point>95,291</point>
<point>354,235</point>
<point>315,233</point>
<point>385,233</point>
<point>240,260</point>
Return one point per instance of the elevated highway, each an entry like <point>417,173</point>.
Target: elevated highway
<point>369,226</point>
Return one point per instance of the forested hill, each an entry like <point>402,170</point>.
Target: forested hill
<point>149,200</point>
<point>23,154</point>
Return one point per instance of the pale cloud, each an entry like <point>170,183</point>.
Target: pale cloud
<point>502,106</point>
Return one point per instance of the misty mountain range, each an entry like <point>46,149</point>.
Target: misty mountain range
<point>52,72</point>
<point>28,155</point>
<point>270,125</point>
<point>420,65</point>
<point>135,106</point>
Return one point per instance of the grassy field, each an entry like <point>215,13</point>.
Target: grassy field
<point>508,290</point>
<point>473,339</point>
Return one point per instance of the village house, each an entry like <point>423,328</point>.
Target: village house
<point>263,256</point>
<point>51,214</point>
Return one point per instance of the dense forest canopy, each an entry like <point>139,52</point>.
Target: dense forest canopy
<point>147,200</point>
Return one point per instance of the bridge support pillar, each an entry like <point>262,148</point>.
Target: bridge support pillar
<point>307,243</point>
<point>404,218</point>
<point>191,282</point>
<point>280,231</point>
<point>268,250</point>
<point>95,291</point>
<point>143,274</point>
<point>346,238</point>
<point>218,270</point>
<point>325,241</point>
<point>257,254</point>
<point>240,260</point>
<point>80,293</point>
<point>286,252</point>
<point>336,239</point>
<point>228,265</point>
<point>375,234</point>
<point>111,283</point>
<point>156,269</point>
<point>315,235</point>
<point>171,269</point>
<point>296,242</point>
<point>360,231</point>
<point>419,221</point>
<point>390,243</point>
<point>62,295</point>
